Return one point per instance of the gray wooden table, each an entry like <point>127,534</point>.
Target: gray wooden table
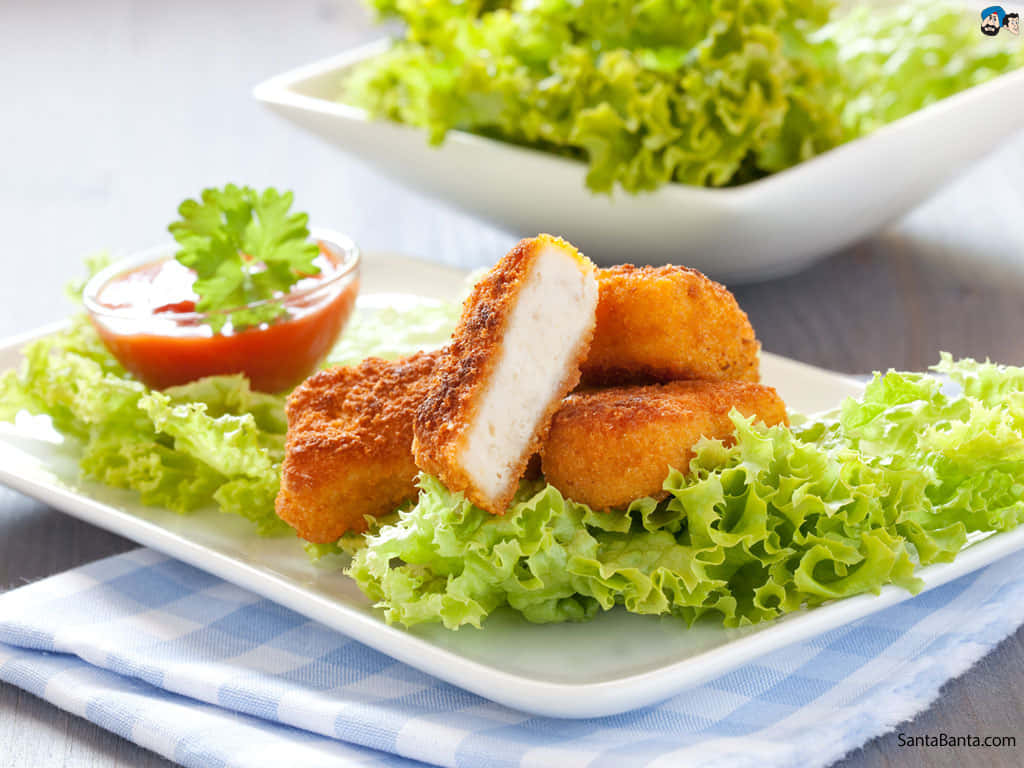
<point>111,111</point>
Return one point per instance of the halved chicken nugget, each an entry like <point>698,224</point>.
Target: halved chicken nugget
<point>515,353</point>
<point>666,324</point>
<point>608,447</point>
<point>349,445</point>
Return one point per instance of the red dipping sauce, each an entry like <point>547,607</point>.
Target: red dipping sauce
<point>144,310</point>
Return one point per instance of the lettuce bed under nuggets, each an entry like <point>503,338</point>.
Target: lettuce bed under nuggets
<point>783,518</point>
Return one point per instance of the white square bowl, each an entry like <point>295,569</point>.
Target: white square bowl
<point>767,228</point>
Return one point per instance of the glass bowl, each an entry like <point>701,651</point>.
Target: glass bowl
<point>166,346</point>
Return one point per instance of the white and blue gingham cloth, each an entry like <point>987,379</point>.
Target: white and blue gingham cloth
<point>210,675</point>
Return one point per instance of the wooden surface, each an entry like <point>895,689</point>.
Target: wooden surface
<point>114,110</point>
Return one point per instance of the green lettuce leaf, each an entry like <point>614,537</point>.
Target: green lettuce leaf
<point>714,92</point>
<point>211,442</point>
<point>702,93</point>
<point>899,59</point>
<point>780,519</point>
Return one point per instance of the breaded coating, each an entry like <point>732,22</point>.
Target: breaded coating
<point>349,445</point>
<point>609,447</point>
<point>668,324</point>
<point>515,353</point>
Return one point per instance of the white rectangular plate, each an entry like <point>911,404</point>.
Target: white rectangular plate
<point>631,661</point>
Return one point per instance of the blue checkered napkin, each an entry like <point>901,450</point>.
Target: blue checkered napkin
<point>208,674</point>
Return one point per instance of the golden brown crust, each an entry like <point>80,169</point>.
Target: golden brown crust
<point>608,447</point>
<point>665,324</point>
<point>450,406</point>
<point>349,445</point>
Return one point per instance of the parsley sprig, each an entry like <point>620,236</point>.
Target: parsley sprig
<point>245,247</point>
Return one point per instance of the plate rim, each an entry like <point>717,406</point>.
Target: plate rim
<point>532,695</point>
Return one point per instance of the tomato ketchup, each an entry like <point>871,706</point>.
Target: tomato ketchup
<point>146,316</point>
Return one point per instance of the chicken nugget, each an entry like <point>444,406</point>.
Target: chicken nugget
<point>667,324</point>
<point>515,353</point>
<point>608,447</point>
<point>349,445</point>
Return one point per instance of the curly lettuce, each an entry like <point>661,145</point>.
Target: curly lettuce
<point>780,519</point>
<point>702,93</point>
<point>901,59</point>
<point>213,440</point>
<point>715,92</point>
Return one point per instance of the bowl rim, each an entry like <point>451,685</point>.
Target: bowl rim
<point>347,269</point>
